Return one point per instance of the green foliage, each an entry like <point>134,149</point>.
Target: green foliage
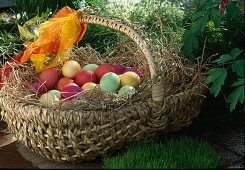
<point>218,76</point>
<point>235,95</point>
<point>205,13</point>
<point>96,35</point>
<point>30,8</point>
<point>146,11</point>
<point>97,3</point>
<point>10,45</point>
<point>176,152</point>
<point>145,14</point>
<point>160,18</point>
<point>223,33</point>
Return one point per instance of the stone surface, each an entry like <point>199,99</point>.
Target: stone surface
<point>226,156</point>
<point>43,163</point>
<point>11,158</point>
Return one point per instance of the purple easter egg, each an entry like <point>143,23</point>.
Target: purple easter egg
<point>38,89</point>
<point>134,70</point>
<point>118,69</point>
<point>69,92</point>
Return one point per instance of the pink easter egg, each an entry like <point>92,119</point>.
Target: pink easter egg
<point>136,71</point>
<point>38,89</point>
<point>118,69</point>
<point>71,84</point>
<point>70,92</point>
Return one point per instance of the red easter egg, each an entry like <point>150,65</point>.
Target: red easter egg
<point>64,82</point>
<point>103,69</point>
<point>49,77</point>
<point>38,89</point>
<point>118,69</point>
<point>70,92</point>
<point>85,76</point>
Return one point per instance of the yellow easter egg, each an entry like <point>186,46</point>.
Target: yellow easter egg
<point>49,100</point>
<point>130,78</point>
<point>70,69</point>
<point>89,85</point>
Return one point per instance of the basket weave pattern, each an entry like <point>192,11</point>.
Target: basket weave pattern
<point>78,135</point>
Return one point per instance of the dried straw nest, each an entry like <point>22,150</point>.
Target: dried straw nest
<point>179,74</point>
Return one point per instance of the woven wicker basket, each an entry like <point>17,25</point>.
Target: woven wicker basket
<point>76,136</point>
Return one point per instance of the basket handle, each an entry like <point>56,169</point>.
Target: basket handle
<point>158,87</point>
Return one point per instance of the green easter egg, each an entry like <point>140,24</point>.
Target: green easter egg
<point>126,91</point>
<point>56,93</point>
<point>90,67</point>
<point>110,82</point>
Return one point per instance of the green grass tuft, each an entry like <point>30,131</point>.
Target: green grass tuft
<point>174,152</point>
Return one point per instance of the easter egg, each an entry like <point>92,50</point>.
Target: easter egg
<point>90,67</point>
<point>130,78</point>
<point>89,85</point>
<point>64,82</point>
<point>103,69</point>
<point>85,76</point>
<point>56,93</point>
<point>49,77</point>
<point>118,69</point>
<point>110,82</point>
<point>120,75</point>
<point>72,84</point>
<point>70,92</point>
<point>49,100</point>
<point>38,89</point>
<point>134,70</point>
<point>71,68</point>
<point>126,91</point>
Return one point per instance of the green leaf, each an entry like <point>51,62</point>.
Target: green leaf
<point>218,75</point>
<point>25,33</point>
<point>238,67</point>
<point>198,14</point>
<point>223,58</point>
<point>194,41</point>
<point>214,74</point>
<point>199,25</point>
<point>211,4</point>
<point>238,83</point>
<point>234,96</point>
<point>214,16</point>
<point>233,9</point>
<point>236,52</point>
<point>33,20</point>
<point>190,41</point>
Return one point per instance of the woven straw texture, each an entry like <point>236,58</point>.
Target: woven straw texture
<point>76,135</point>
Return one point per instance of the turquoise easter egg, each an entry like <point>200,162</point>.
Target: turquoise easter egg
<point>56,93</point>
<point>126,91</point>
<point>110,82</point>
<point>90,67</point>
